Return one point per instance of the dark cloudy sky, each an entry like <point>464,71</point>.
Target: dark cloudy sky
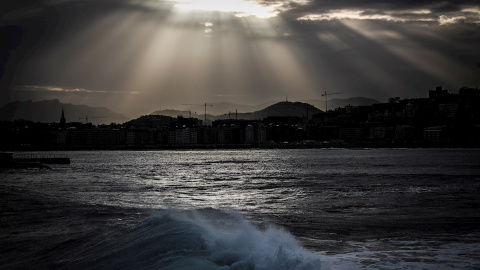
<point>137,56</point>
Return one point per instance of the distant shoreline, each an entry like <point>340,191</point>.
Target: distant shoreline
<point>238,147</point>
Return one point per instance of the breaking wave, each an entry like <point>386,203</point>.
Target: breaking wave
<point>202,239</point>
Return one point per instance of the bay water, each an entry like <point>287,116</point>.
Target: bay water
<point>245,209</point>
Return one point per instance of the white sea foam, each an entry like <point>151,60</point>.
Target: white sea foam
<point>206,239</point>
<point>401,254</point>
<point>81,216</point>
<point>235,243</point>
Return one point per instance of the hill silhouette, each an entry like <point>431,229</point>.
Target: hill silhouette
<point>221,110</point>
<point>284,108</point>
<point>342,102</point>
<point>49,111</point>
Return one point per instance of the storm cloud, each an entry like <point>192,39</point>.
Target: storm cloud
<point>137,55</point>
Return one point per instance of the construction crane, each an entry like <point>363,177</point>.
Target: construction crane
<point>326,98</point>
<point>205,123</point>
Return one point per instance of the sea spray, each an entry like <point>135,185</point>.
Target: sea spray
<point>356,209</point>
<point>246,247</point>
<point>203,239</point>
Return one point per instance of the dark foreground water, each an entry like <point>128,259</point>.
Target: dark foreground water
<point>255,209</point>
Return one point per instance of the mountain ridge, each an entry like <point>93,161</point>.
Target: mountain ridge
<point>49,111</point>
<point>260,113</point>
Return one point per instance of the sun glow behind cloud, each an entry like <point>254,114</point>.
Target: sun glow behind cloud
<point>421,15</point>
<point>177,55</point>
<point>204,53</point>
<point>469,15</point>
<point>348,14</point>
<point>184,51</point>
<point>241,8</point>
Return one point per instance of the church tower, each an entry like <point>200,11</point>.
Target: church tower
<point>63,122</point>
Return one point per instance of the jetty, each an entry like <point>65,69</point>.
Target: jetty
<point>11,160</point>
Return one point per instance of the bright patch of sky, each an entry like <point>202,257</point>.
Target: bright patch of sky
<point>241,8</point>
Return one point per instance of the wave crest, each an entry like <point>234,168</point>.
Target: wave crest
<point>203,239</point>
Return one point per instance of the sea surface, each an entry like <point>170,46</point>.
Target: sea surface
<point>245,209</point>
